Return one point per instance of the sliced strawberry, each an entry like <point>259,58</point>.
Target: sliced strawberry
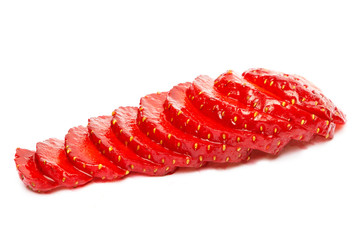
<point>152,121</point>
<point>30,174</point>
<point>235,86</point>
<point>236,115</point>
<point>106,141</point>
<point>52,160</point>
<point>189,119</point>
<point>84,155</point>
<point>296,89</point>
<point>125,127</point>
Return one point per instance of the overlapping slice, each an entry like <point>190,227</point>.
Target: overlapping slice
<point>30,174</point>
<point>84,155</point>
<point>234,86</point>
<point>125,127</point>
<point>294,88</point>
<point>189,119</point>
<point>53,162</point>
<point>233,114</point>
<point>152,121</point>
<point>106,141</point>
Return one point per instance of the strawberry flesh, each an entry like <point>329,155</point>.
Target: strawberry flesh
<point>85,156</point>
<point>104,138</point>
<point>30,174</point>
<point>296,88</point>
<point>125,127</point>
<point>151,115</point>
<point>52,160</point>
<point>253,96</point>
<point>191,120</point>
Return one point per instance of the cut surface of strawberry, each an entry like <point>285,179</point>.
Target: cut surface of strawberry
<point>30,174</point>
<point>189,119</point>
<point>104,138</point>
<point>151,116</point>
<point>85,156</point>
<point>235,115</point>
<point>236,87</point>
<point>297,89</point>
<point>52,160</point>
<point>126,128</point>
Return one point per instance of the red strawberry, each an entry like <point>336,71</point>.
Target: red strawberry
<point>297,89</point>
<point>126,129</point>
<point>102,135</point>
<point>84,155</point>
<point>235,115</point>
<point>151,116</point>
<point>52,160</point>
<point>189,119</point>
<point>234,86</point>
<point>30,174</point>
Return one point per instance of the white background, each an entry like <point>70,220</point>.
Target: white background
<point>64,61</point>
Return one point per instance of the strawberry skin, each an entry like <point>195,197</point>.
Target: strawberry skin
<point>189,119</point>
<point>30,174</point>
<point>297,89</point>
<point>125,127</point>
<point>106,141</point>
<point>236,87</point>
<point>52,160</point>
<point>151,116</point>
<point>85,156</point>
<point>233,114</point>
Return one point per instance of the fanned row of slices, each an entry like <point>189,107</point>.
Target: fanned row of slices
<point>192,124</point>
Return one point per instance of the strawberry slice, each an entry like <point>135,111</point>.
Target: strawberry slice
<point>234,86</point>
<point>30,174</point>
<point>296,89</point>
<point>106,141</point>
<point>52,160</point>
<point>152,121</point>
<point>126,129</point>
<point>189,119</point>
<point>236,115</point>
<point>84,155</point>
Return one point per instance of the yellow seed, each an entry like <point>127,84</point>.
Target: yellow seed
<point>68,151</point>
<point>201,158</point>
<point>208,147</point>
<point>327,136</point>
<point>144,170</point>
<point>84,165</point>
<point>245,125</point>
<point>292,101</point>
<point>172,119</point>
<point>239,156</point>
<point>261,128</point>
<point>248,158</point>
<point>119,158</point>
<point>267,147</point>
<point>138,148</point>
<point>327,122</point>
<point>132,166</point>
<point>265,81</point>
<point>127,172</point>
<point>63,180</point>
<point>283,86</point>
<point>223,113</point>
<point>229,72</point>
<point>235,118</point>
<point>254,104</point>
<point>278,143</point>
<point>169,136</point>
<point>271,83</point>
<point>209,136</point>
<point>266,109</point>
<point>167,169</point>
<point>67,146</point>
<point>302,122</point>
<point>303,99</point>
<point>187,121</point>
<point>289,125</point>
<point>301,136</point>
<point>283,104</point>
<point>248,97</point>
<point>154,130</point>
<point>141,108</point>
<point>179,112</point>
<point>121,131</point>
<point>103,178</point>
<point>198,127</point>
<point>195,146</point>
<point>228,93</point>
<point>238,139</point>
<point>227,159</point>
<point>178,144</point>
<point>275,130</point>
<point>100,166</point>
<point>76,183</point>
<point>214,158</point>
<point>131,138</point>
<point>316,103</point>
<point>224,147</point>
<point>200,93</point>
<point>155,170</point>
<point>318,130</point>
<point>201,106</point>
<point>99,141</point>
<point>110,148</point>
<point>187,161</point>
<point>192,98</point>
<point>74,158</point>
<point>143,119</point>
<point>113,113</point>
<point>253,138</point>
<point>255,114</point>
<point>114,121</point>
<point>238,149</point>
<point>174,161</point>
<point>293,87</point>
<point>149,156</point>
<point>323,109</point>
<point>158,93</point>
<point>161,142</point>
<point>224,136</point>
<point>313,116</point>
